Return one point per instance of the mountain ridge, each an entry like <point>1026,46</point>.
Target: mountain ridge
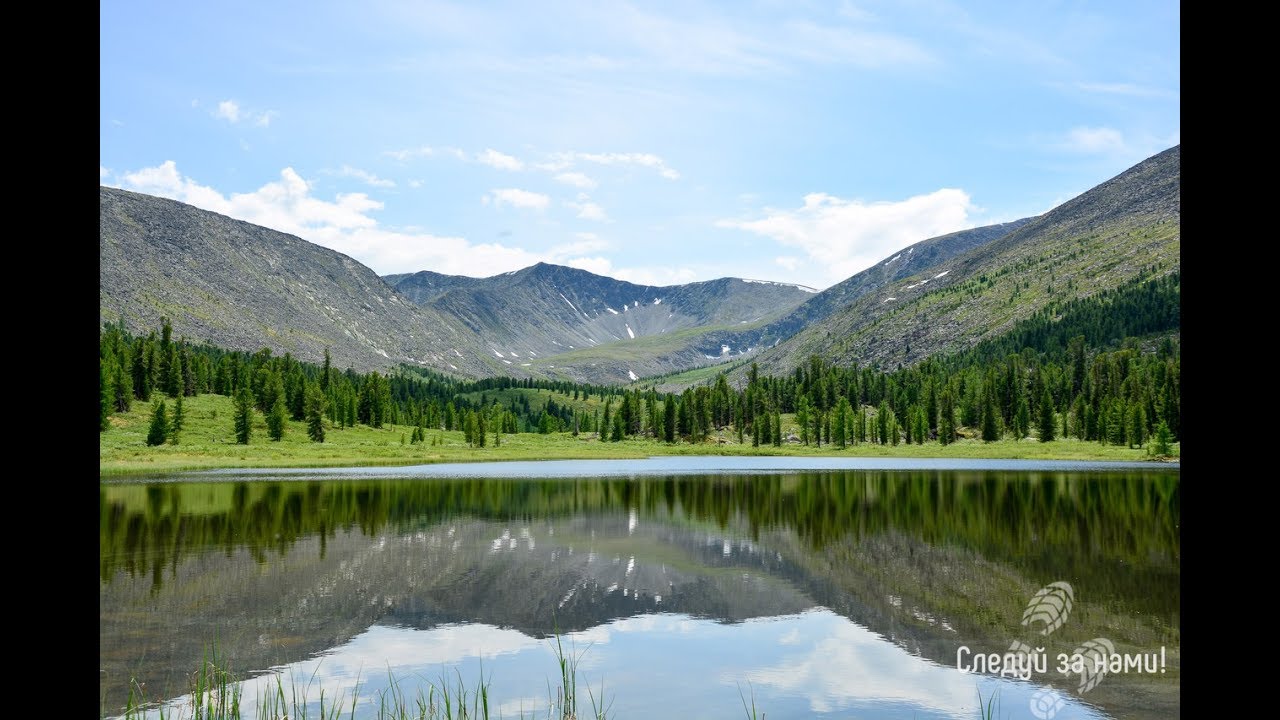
<point>1098,240</point>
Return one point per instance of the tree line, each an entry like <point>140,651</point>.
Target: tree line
<point>1065,372</point>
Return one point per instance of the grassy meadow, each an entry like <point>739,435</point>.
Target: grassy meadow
<point>207,441</point>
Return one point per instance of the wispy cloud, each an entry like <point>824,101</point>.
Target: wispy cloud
<point>365,177</point>
<point>493,158</point>
<point>583,242</point>
<point>563,160</point>
<point>736,46</point>
<point>518,198</point>
<point>586,209</point>
<point>409,153</point>
<point>576,179</point>
<point>842,237</point>
<point>231,111</point>
<point>1125,89</point>
<point>228,110</point>
<point>1093,140</point>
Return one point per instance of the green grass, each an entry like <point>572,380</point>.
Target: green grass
<point>216,694</point>
<point>208,441</point>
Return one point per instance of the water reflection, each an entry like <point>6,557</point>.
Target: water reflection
<point>906,566</point>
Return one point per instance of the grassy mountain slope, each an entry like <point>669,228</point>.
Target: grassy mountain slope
<point>242,286</point>
<point>1124,228</point>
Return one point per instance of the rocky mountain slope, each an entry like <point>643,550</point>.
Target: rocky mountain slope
<point>559,321</point>
<point>1124,228</point>
<point>242,286</point>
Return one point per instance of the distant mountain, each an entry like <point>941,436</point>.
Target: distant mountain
<point>1124,228</point>
<point>242,286</point>
<point>564,322</point>
<point>424,286</point>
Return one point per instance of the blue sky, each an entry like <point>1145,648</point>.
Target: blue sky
<point>654,142</point>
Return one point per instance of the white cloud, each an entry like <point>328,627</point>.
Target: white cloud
<point>228,110</point>
<point>562,160</point>
<point>587,210</point>
<point>843,237</point>
<point>493,158</point>
<point>408,153</point>
<point>415,183</point>
<point>655,275</point>
<point>597,265</point>
<point>516,197</point>
<point>790,262</point>
<point>103,172</point>
<point>576,179</point>
<point>231,111</point>
<point>344,224</point>
<point>1093,140</point>
<point>365,177</point>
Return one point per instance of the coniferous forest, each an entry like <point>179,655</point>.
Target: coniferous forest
<point>1105,369</point>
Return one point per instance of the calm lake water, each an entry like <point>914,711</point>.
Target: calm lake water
<point>682,585</point>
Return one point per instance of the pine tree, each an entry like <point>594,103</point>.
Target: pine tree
<point>990,419</point>
<point>173,370</point>
<point>842,422</point>
<point>1022,417</point>
<point>315,401</point>
<point>243,414</point>
<point>179,418</point>
<point>105,394</point>
<point>276,419</point>
<point>159,430</point>
<point>1137,425</point>
<point>1163,444</point>
<point>883,425</point>
<point>1047,421</point>
<point>947,418</point>
<point>669,419</point>
<point>618,427</point>
<point>777,428</point>
<point>122,381</point>
<point>802,418</point>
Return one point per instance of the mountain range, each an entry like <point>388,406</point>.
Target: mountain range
<point>243,286</point>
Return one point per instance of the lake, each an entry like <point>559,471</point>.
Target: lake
<point>682,586</point>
